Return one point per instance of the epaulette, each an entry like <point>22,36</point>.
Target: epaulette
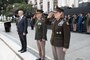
<point>61,23</point>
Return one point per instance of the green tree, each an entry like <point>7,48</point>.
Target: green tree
<point>15,1</point>
<point>13,8</point>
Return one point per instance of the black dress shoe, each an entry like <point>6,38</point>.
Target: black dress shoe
<point>38,59</point>
<point>20,50</point>
<point>23,51</point>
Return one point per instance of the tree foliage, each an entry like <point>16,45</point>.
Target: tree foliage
<point>15,1</point>
<point>13,8</point>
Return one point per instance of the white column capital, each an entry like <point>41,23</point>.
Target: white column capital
<point>64,2</point>
<point>45,6</point>
<point>33,1</point>
<point>51,6</point>
<point>38,4</point>
<point>76,3</point>
<point>59,3</point>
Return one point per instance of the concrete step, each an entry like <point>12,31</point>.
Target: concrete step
<point>12,50</point>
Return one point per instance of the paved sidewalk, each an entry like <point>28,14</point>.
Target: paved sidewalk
<point>79,43</point>
<point>9,50</point>
<point>6,53</point>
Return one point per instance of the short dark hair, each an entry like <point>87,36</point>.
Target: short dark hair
<point>59,9</point>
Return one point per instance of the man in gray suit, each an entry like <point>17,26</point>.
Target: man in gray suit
<point>22,30</point>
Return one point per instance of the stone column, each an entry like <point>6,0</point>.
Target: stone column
<point>64,3</point>
<point>38,4</point>
<point>33,1</point>
<point>51,7</point>
<point>45,6</point>
<point>59,3</point>
<point>71,3</point>
<point>76,3</point>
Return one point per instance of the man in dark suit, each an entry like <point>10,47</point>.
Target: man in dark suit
<point>22,30</point>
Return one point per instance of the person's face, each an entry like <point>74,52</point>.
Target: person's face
<point>58,15</point>
<point>20,13</point>
<point>38,15</point>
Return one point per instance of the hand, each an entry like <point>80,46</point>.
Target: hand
<point>65,49</point>
<point>24,33</point>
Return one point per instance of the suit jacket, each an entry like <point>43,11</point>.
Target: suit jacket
<point>60,34</point>
<point>22,25</point>
<point>41,30</point>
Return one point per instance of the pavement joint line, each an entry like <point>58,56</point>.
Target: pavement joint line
<point>35,51</point>
<point>11,49</point>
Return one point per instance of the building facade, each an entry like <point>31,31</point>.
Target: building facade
<point>49,5</point>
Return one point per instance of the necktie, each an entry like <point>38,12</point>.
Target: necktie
<point>19,19</point>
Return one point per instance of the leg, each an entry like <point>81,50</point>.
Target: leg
<point>78,27</point>
<point>75,27</point>
<point>31,27</point>
<point>24,42</point>
<point>42,49</point>
<point>21,40</point>
<point>54,53</point>
<point>81,27</point>
<point>87,28</point>
<point>60,53</point>
<point>39,48</point>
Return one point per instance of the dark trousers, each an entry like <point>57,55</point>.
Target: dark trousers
<point>23,41</point>
<point>32,27</point>
<point>80,27</point>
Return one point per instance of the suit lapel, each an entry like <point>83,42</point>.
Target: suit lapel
<point>20,19</point>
